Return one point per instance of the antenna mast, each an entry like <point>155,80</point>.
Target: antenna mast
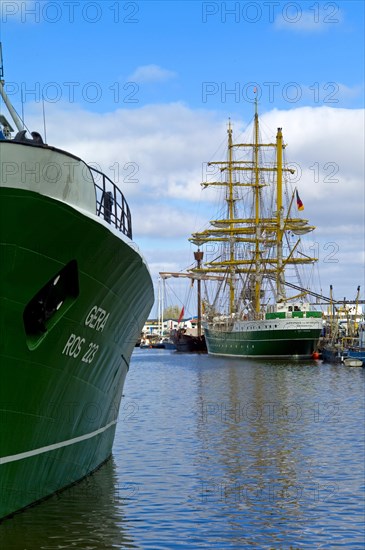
<point>18,123</point>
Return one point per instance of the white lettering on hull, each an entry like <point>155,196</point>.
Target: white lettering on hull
<point>97,318</point>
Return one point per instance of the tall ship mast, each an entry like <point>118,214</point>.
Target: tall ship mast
<point>75,292</point>
<point>252,314</point>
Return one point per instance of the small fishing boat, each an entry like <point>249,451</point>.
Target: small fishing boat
<point>352,362</point>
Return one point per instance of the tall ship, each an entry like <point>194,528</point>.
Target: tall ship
<point>262,307</point>
<point>75,292</point>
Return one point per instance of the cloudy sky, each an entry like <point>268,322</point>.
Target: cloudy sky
<point>144,90</point>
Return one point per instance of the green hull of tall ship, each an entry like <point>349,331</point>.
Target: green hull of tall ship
<point>74,295</point>
<point>273,338</point>
<point>252,314</point>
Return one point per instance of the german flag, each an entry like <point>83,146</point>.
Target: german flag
<point>300,205</point>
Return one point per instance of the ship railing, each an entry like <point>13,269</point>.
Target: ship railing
<point>111,203</point>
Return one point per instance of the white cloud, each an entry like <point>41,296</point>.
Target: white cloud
<point>167,147</point>
<point>328,144</point>
<point>319,19</point>
<point>151,73</point>
<point>164,221</point>
<point>345,92</point>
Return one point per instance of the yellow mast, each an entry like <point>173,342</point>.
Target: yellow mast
<point>257,306</point>
<point>230,201</point>
<point>280,295</point>
<point>263,233</point>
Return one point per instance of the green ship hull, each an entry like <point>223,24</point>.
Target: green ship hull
<point>266,339</point>
<point>74,295</point>
<point>294,344</point>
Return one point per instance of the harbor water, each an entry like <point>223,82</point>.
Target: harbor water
<point>218,453</point>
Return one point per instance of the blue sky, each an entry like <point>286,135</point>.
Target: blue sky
<point>145,89</point>
<point>192,44</point>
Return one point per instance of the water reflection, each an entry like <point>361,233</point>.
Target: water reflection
<point>214,453</point>
<point>273,436</point>
<point>87,516</point>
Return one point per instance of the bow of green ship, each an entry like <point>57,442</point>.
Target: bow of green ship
<point>74,295</point>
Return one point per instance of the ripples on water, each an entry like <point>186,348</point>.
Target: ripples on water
<point>216,453</point>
